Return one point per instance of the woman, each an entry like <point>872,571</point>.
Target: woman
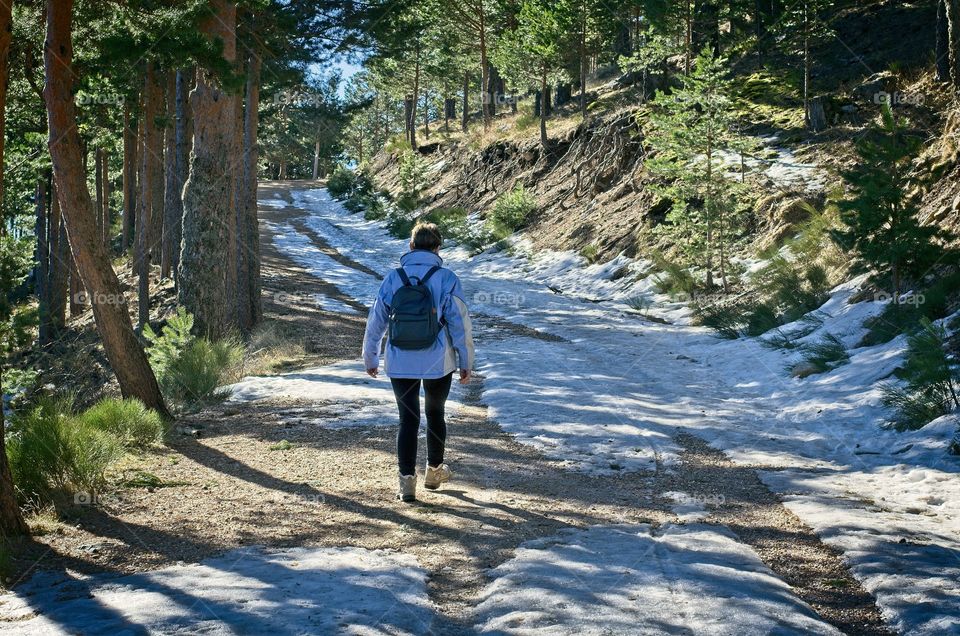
<point>422,347</point>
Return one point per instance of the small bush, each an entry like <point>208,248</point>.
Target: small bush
<point>930,380</point>
<point>53,453</point>
<point>194,378</point>
<point>191,369</point>
<point>826,354</point>
<point>131,423</point>
<point>590,253</point>
<point>451,221</point>
<point>340,183</point>
<point>905,318</point>
<point>511,212</point>
<point>760,319</point>
<point>726,319</point>
<point>674,279</point>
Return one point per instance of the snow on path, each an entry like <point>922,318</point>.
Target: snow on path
<point>692,579</point>
<point>342,395</point>
<point>250,591</point>
<point>615,395</point>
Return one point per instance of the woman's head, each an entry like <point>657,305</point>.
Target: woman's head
<point>426,236</point>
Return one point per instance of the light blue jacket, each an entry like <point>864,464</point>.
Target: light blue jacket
<point>453,348</point>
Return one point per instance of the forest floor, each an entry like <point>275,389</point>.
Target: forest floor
<point>296,475</point>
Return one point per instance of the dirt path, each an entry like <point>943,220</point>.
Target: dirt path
<point>269,474</point>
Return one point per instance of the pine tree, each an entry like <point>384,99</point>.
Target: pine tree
<point>694,133</point>
<point>880,219</point>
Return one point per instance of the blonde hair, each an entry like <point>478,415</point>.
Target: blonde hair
<point>426,236</point>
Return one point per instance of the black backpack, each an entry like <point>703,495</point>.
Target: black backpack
<point>414,323</point>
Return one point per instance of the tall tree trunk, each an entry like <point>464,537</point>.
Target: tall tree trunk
<point>59,264</point>
<point>250,224</point>
<point>129,178</point>
<point>42,278</point>
<point>139,199</point>
<point>943,43</point>
<point>170,191</point>
<point>105,196</point>
<point>184,134</point>
<point>952,8</point>
<point>236,211</point>
<point>120,343</point>
<point>544,106</point>
<point>414,99</point>
<point>98,191</point>
<point>466,102</point>
<point>484,71</point>
<point>11,521</point>
<point>806,63</point>
<point>146,224</point>
<point>316,159</point>
<point>156,164</point>
<point>206,195</point>
<point>76,295</point>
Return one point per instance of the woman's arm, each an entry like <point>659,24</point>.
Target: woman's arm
<point>376,327</point>
<point>457,316</point>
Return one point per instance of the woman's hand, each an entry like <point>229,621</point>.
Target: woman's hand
<point>373,372</point>
<point>465,375</point>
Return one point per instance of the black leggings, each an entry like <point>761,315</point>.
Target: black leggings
<point>407,391</point>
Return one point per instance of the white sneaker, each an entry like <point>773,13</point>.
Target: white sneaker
<point>436,476</point>
<point>408,488</point>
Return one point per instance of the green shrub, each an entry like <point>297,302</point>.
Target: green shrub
<point>412,174</point>
<point>195,377</point>
<point>792,290</point>
<point>451,221</point>
<point>590,253</point>
<point>933,303</point>
<point>340,182</point>
<point>511,212</point>
<point>761,318</point>
<point>191,369</point>
<point>128,421</point>
<point>53,453</point>
<point>826,354</point>
<point>725,318</point>
<point>673,278</point>
<point>930,380</point>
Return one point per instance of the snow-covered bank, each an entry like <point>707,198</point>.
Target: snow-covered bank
<point>250,590</point>
<point>615,391</point>
<point>632,580</point>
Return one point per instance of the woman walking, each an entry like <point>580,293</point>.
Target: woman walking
<point>421,309</point>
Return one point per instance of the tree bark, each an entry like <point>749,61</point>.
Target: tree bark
<point>156,164</point>
<point>952,8</point>
<point>120,343</point>
<point>98,192</point>
<point>146,224</point>
<point>139,199</point>
<point>105,171</point>
<point>42,277</point>
<point>544,106</point>
<point>206,195</point>
<point>170,191</point>
<point>59,273</point>
<point>250,223</point>
<point>943,43</point>
<point>184,134</point>
<point>129,178</point>
<point>466,102</point>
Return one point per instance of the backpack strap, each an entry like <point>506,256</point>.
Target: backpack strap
<point>433,270</point>
<point>403,277</point>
